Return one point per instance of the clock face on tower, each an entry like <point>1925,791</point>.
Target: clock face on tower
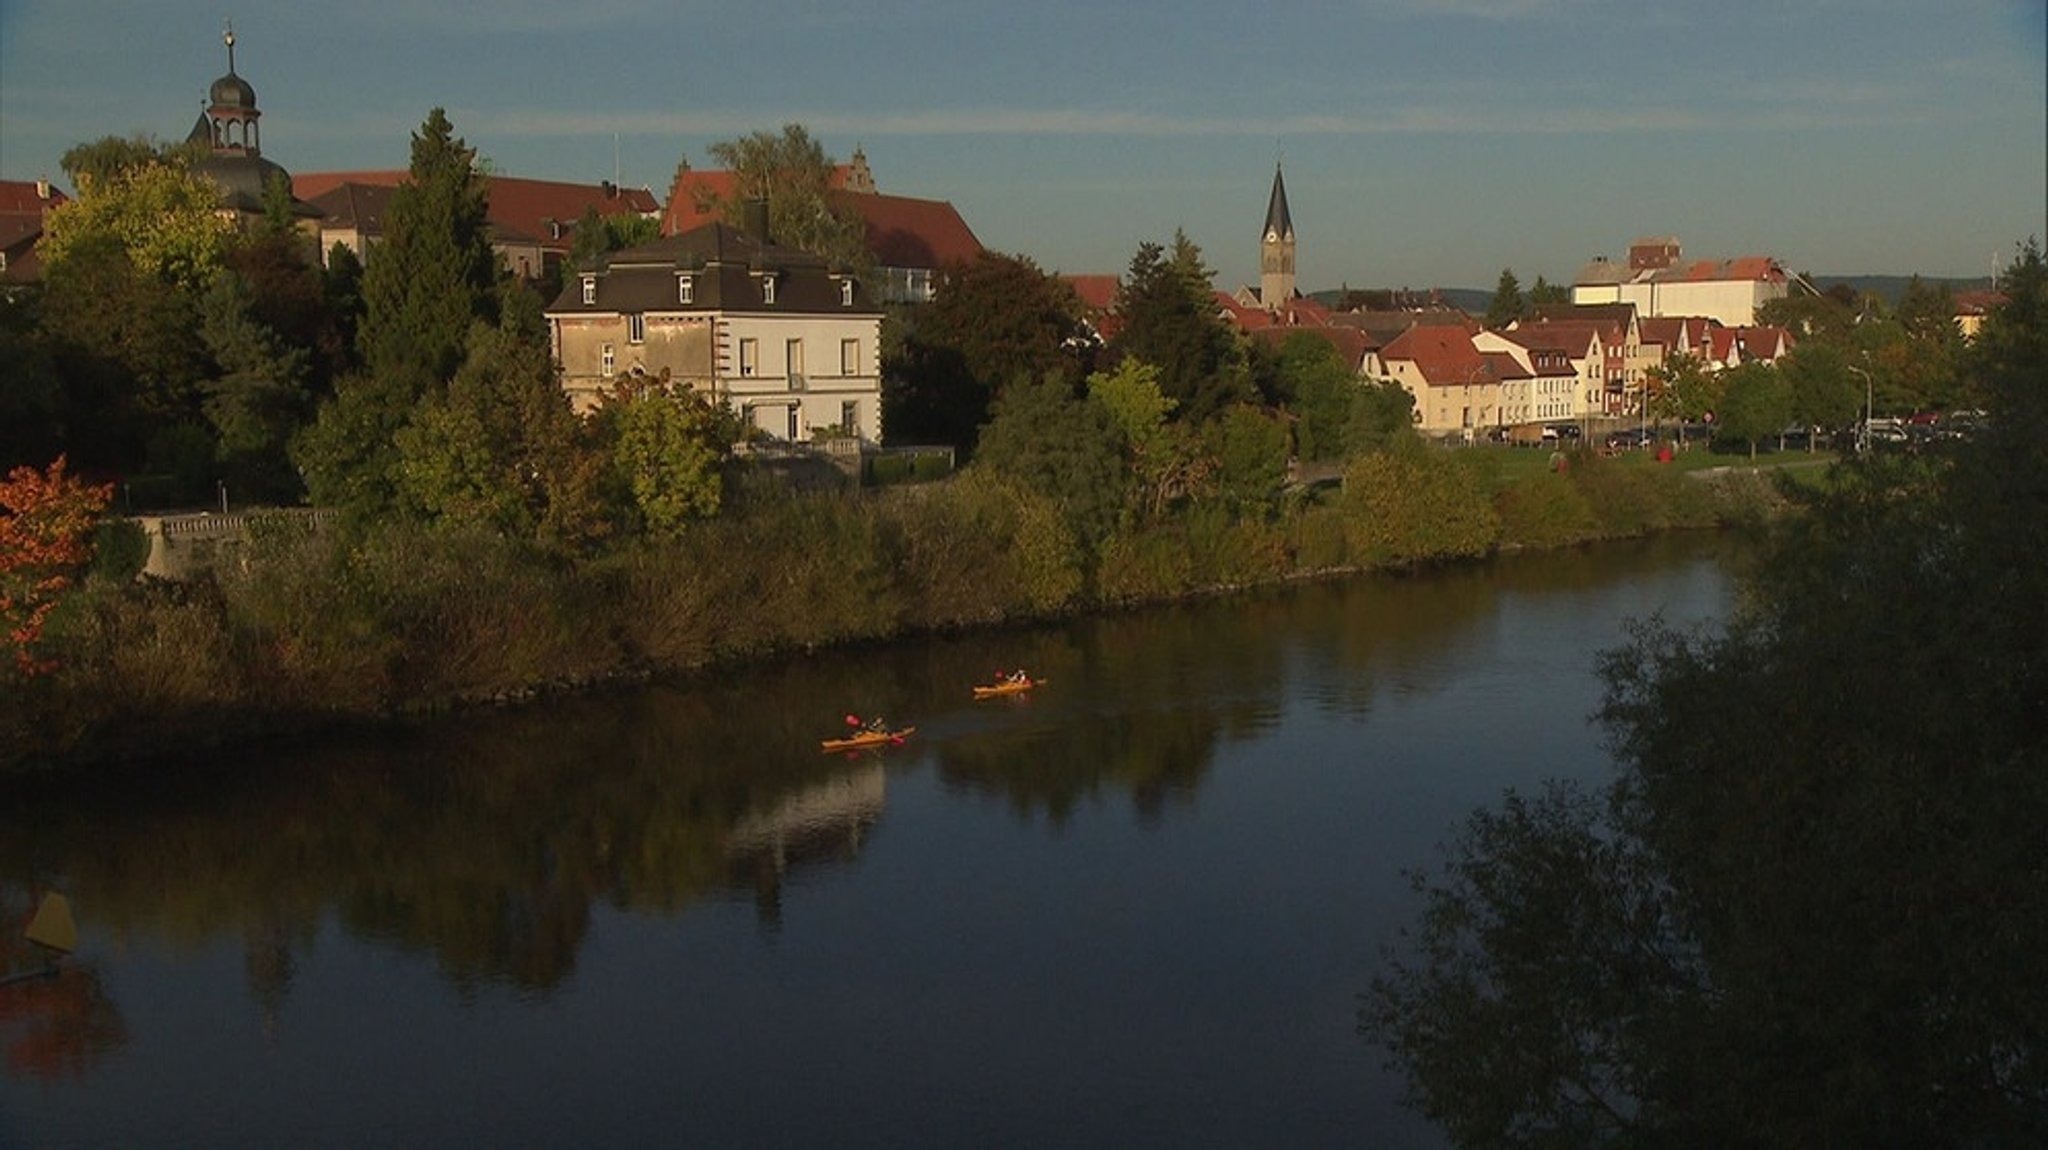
<point>1272,237</point>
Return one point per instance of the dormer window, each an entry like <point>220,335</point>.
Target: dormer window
<point>768,288</point>
<point>845,293</point>
<point>686,288</point>
<point>589,289</point>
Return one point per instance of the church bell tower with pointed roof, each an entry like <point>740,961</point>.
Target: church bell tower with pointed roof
<point>1276,249</point>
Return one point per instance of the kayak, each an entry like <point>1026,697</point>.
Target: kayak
<point>865,739</point>
<point>1008,688</point>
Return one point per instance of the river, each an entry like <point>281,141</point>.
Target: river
<point>1134,907</point>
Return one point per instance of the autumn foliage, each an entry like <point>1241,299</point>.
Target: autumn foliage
<point>46,523</point>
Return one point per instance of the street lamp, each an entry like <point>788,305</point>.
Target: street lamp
<point>1863,435</point>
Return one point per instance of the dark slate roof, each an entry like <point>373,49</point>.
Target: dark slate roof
<point>725,261</point>
<point>1277,219</point>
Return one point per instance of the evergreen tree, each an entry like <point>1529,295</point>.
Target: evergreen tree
<point>1171,321</point>
<point>1507,305</point>
<point>435,273</point>
<point>432,278</point>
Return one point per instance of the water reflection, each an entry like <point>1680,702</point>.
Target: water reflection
<point>490,845</point>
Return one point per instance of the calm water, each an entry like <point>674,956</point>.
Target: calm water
<point>1132,909</point>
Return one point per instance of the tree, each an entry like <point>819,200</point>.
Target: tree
<point>667,448</point>
<point>1170,320</point>
<point>1047,441</point>
<point>1543,294</point>
<point>1382,416</point>
<point>435,273</point>
<point>1318,387</point>
<point>258,401</point>
<point>501,448</point>
<point>1159,454</point>
<point>46,523</point>
<point>1682,388</point>
<point>792,173</point>
<point>995,319</point>
<point>1808,910</point>
<point>164,216</point>
<point>1249,445</point>
<point>1507,305</point>
<point>1824,393</point>
<point>1755,403</point>
<point>433,278</point>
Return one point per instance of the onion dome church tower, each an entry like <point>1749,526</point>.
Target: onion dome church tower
<point>234,158</point>
<point>1276,249</point>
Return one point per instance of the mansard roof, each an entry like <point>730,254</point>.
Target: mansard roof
<point>727,268</point>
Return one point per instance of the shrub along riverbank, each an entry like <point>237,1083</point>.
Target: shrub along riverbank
<point>345,625</point>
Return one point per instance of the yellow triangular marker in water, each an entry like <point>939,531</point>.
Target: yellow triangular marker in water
<point>53,927</point>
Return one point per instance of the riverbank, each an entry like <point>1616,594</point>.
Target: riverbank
<point>317,628</point>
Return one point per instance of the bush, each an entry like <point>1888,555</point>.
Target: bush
<point>120,550</point>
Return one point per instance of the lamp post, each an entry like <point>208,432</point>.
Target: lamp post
<point>1863,435</point>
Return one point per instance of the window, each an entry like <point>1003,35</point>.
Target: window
<point>589,289</point>
<point>608,361</point>
<point>768,289</point>
<point>750,356</point>
<point>845,293</point>
<point>849,357</point>
<point>636,328</point>
<point>686,288</point>
<point>849,416</point>
<point>793,355</point>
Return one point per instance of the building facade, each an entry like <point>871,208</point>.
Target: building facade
<point>788,343</point>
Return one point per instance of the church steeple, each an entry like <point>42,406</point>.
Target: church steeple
<point>1276,249</point>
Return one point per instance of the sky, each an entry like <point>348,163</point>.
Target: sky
<point>1425,143</point>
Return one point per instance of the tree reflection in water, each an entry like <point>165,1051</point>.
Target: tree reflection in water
<point>1813,908</point>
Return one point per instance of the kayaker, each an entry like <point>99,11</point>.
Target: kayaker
<point>877,725</point>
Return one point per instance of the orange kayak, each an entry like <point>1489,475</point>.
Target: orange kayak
<point>1007,688</point>
<point>866,739</point>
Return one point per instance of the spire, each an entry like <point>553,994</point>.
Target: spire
<point>1279,224</point>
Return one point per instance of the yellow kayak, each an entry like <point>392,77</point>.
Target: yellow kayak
<point>865,739</point>
<point>1008,688</point>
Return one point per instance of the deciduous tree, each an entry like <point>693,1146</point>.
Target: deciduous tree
<point>46,522</point>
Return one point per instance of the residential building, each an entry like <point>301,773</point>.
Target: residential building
<point>1624,362</point>
<point>25,207</point>
<point>791,344</point>
<point>532,223</point>
<point>911,241</point>
<point>1546,385</point>
<point>1457,388</point>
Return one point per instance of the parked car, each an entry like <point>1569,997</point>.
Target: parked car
<point>1628,440</point>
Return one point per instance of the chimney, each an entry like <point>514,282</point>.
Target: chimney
<point>754,217</point>
<point>42,187</point>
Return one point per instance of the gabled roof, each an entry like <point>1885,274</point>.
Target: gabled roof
<point>909,233</point>
<point>1612,320</point>
<point>1444,355</point>
<point>1350,342</point>
<point>902,232</point>
<point>1576,338</point>
<point>1098,292</point>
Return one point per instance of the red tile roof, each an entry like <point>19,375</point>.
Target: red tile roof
<point>1097,292</point>
<point>902,232</point>
<point>908,233</point>
<point>1445,355</point>
<point>543,210</point>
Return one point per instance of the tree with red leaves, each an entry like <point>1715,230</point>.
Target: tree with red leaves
<point>46,523</point>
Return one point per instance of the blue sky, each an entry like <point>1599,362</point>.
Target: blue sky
<point>1425,142</point>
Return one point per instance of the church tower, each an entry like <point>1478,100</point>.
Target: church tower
<point>1276,250</point>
